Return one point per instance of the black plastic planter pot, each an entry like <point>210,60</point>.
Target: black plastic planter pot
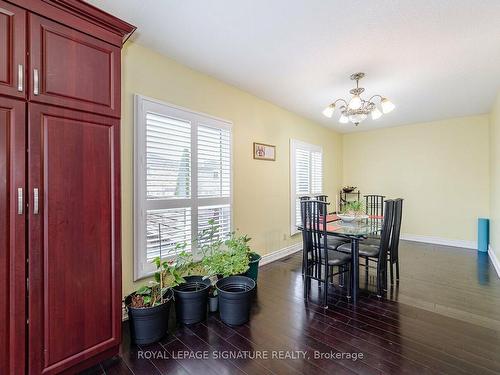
<point>235,299</point>
<point>191,300</point>
<point>253,270</point>
<point>150,324</point>
<point>213,303</point>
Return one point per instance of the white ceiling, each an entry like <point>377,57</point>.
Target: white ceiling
<point>434,59</point>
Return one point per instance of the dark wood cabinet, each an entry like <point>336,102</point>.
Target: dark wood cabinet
<point>12,50</point>
<point>72,69</point>
<point>60,235</point>
<point>74,233</point>
<point>12,235</point>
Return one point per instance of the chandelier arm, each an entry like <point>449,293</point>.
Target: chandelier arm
<point>374,96</point>
<point>340,100</point>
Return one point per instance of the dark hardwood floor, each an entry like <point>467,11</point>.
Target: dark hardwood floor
<point>442,318</point>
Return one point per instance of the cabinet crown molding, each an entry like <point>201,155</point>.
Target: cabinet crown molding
<point>68,11</point>
<point>96,16</point>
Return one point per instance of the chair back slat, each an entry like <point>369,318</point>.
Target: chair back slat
<point>396,230</point>
<point>322,208</point>
<point>322,198</point>
<point>374,204</point>
<point>314,231</point>
<point>385,235</point>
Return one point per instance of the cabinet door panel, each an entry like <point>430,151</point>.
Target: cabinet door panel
<point>12,236</point>
<point>75,70</point>
<point>12,50</point>
<point>75,291</point>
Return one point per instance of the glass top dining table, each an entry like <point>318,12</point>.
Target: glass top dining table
<point>355,232</point>
<point>360,229</point>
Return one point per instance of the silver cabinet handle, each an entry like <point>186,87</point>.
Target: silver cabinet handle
<point>36,82</point>
<point>20,201</point>
<point>35,201</point>
<point>20,78</point>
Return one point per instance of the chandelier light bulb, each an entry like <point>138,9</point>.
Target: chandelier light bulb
<point>376,114</point>
<point>343,119</point>
<point>355,102</point>
<point>387,105</point>
<point>328,111</point>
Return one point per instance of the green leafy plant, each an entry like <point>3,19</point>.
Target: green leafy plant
<point>169,273</point>
<point>226,263</point>
<point>238,243</point>
<point>223,257</point>
<point>354,208</point>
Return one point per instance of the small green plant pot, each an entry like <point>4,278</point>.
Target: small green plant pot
<point>253,271</point>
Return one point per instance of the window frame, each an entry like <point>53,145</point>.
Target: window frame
<point>294,145</point>
<point>143,105</point>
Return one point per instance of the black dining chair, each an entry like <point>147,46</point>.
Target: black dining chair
<point>378,253</point>
<point>333,242</point>
<point>374,204</point>
<point>302,199</point>
<point>322,198</point>
<point>393,252</point>
<point>319,263</point>
<point>394,245</point>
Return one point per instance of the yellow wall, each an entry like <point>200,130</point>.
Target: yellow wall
<point>441,169</point>
<point>261,188</point>
<point>495,177</point>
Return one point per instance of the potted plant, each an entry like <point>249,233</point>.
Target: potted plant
<point>235,291</point>
<point>149,306</point>
<point>236,242</point>
<point>235,299</point>
<point>227,261</point>
<point>353,211</point>
<point>213,298</point>
<point>191,296</point>
<point>210,243</point>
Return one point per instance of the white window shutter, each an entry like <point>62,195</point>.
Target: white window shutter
<point>306,171</point>
<point>214,162</point>
<point>168,157</point>
<point>182,180</point>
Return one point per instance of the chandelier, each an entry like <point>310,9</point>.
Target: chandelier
<point>358,109</point>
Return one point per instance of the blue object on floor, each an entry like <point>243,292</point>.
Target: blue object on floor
<point>483,234</point>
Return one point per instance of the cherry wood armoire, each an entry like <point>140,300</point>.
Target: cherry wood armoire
<point>60,268</point>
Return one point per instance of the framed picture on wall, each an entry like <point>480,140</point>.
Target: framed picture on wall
<point>261,151</point>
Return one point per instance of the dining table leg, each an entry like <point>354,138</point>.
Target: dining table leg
<point>354,269</point>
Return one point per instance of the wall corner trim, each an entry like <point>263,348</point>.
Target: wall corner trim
<point>494,260</point>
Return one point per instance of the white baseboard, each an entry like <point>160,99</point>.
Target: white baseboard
<point>439,241</point>
<point>278,254</point>
<point>494,260</point>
